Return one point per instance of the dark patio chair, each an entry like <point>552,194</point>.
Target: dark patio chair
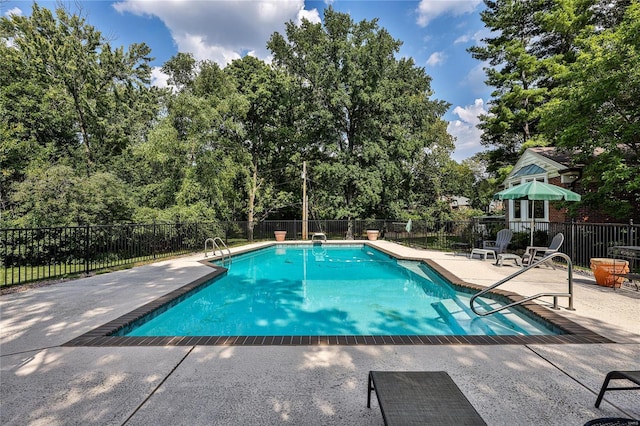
<point>632,376</point>
<point>421,398</point>
<point>612,421</point>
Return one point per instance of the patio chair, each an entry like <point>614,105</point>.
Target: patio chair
<point>421,398</point>
<point>494,247</point>
<point>612,421</point>
<point>533,254</point>
<point>503,238</point>
<point>632,376</point>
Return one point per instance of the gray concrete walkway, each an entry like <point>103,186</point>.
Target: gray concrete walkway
<point>44,383</point>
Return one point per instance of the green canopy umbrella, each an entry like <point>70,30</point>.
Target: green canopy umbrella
<point>536,191</point>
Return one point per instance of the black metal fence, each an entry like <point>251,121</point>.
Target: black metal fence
<point>35,254</point>
<point>583,241</point>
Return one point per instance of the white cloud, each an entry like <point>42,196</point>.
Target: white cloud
<point>462,39</point>
<point>470,114</point>
<point>222,30</point>
<point>198,46</point>
<point>464,130</point>
<point>436,58</point>
<point>428,10</point>
<point>310,15</point>
<point>158,78</point>
<point>475,79</point>
<point>14,11</point>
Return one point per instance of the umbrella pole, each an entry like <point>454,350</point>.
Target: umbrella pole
<point>533,219</point>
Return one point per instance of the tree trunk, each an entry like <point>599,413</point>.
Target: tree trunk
<point>252,200</point>
<point>83,129</point>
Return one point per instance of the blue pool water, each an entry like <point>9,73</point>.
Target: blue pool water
<point>322,290</point>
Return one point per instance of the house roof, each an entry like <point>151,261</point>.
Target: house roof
<point>539,161</point>
<point>554,154</point>
<point>456,200</point>
<point>531,169</point>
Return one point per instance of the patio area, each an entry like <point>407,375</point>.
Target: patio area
<point>44,382</point>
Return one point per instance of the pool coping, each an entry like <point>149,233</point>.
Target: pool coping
<point>101,336</point>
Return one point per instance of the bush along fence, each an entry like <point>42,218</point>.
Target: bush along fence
<point>37,254</point>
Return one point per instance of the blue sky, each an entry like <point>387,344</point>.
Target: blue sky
<point>435,33</point>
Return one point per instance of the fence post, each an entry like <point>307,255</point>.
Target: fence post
<point>153,240</point>
<point>573,240</point>
<point>196,236</point>
<point>3,262</point>
<point>426,234</point>
<point>86,249</point>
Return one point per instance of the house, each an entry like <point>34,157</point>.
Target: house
<point>545,164</point>
<point>550,165</point>
<point>458,202</point>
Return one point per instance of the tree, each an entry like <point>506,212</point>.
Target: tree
<point>56,196</point>
<point>367,114</point>
<point>595,113</point>
<point>67,98</point>
<point>182,70</point>
<point>94,83</point>
<point>187,165</point>
<point>515,72</point>
<point>265,92</point>
<point>531,42</point>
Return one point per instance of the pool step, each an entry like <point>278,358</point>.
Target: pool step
<point>457,314</point>
<point>449,318</point>
<point>501,319</point>
<point>415,267</point>
<point>458,311</point>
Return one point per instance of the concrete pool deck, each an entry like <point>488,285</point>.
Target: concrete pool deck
<point>43,382</point>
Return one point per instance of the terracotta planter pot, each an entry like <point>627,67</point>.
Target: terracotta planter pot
<point>280,235</point>
<point>604,270</point>
<point>372,234</point>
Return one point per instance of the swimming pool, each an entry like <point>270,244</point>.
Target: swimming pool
<point>329,290</point>
<point>113,332</point>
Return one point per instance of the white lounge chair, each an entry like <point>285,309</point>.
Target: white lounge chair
<point>494,247</point>
<point>503,238</point>
<point>533,254</point>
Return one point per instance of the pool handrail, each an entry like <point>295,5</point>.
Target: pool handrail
<point>215,246</point>
<point>555,296</point>
<point>321,236</point>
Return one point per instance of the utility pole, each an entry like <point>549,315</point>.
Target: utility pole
<point>305,206</point>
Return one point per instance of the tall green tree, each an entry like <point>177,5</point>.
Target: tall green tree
<point>78,65</point>
<point>367,114</point>
<point>595,113</point>
<point>264,140</point>
<point>67,97</point>
<point>516,74</point>
<point>530,42</point>
<point>56,196</point>
<point>187,165</point>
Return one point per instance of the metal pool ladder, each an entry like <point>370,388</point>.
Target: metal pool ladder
<point>215,246</point>
<point>555,296</point>
<point>319,237</point>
